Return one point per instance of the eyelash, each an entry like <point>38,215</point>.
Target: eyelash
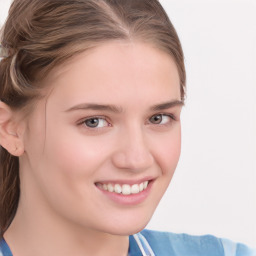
<point>171,116</point>
<point>82,122</point>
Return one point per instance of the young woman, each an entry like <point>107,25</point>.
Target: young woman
<point>91,94</point>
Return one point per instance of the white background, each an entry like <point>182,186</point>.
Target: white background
<point>214,187</point>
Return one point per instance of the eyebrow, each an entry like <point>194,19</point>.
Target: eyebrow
<point>93,106</point>
<point>167,105</point>
<point>116,109</point>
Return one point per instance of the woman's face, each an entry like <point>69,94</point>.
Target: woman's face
<point>111,122</point>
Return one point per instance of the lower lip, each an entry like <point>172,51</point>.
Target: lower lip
<point>132,199</point>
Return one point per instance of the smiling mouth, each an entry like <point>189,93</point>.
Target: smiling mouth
<point>124,189</point>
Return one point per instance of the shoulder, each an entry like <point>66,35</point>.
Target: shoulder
<point>166,243</point>
<point>4,249</point>
<point>183,244</point>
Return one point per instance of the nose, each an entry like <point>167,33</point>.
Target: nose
<point>133,153</point>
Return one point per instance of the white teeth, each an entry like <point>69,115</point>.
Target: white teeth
<point>124,189</point>
<point>118,188</point>
<point>110,188</point>
<point>141,186</point>
<point>145,184</point>
<point>135,189</point>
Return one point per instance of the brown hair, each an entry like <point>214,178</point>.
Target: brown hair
<point>40,35</point>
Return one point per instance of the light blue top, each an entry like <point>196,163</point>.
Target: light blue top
<point>170,244</point>
<point>154,243</point>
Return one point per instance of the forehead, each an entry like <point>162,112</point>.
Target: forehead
<point>117,68</point>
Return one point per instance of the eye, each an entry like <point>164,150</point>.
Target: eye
<point>95,122</point>
<point>161,119</point>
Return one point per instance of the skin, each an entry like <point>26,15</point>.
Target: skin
<point>61,158</point>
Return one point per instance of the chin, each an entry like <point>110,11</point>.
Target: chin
<point>126,227</point>
<point>126,231</point>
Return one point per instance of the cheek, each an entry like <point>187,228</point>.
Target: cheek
<point>74,155</point>
<point>67,169</point>
<point>167,152</point>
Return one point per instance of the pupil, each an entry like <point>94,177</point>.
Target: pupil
<point>92,122</point>
<point>157,119</point>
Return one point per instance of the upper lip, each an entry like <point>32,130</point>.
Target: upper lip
<point>128,182</point>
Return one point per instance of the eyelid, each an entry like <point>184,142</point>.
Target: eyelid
<point>170,115</point>
<point>81,121</point>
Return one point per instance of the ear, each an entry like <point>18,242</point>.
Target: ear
<point>10,136</point>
